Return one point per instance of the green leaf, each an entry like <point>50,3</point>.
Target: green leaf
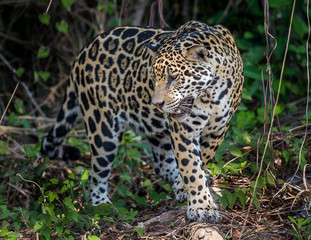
<point>246,96</point>
<point>43,52</point>
<point>50,209</point>
<point>141,200</point>
<point>41,75</point>
<point>235,151</point>
<point>222,198</point>
<point>231,198</point>
<point>126,177</point>
<point>256,201</point>
<point>125,215</point>
<point>158,197</point>
<point>293,220</point>
<point>20,71</point>
<point>139,230</point>
<point>73,215</point>
<point>85,175</point>
<point>27,150</point>
<point>44,18</point>
<point>260,184</point>
<point>54,180</point>
<point>64,189</point>
<point>62,26</point>
<point>17,225</point>
<point>107,219</point>
<point>216,168</point>
<point>53,196</point>
<point>68,203</point>
<point>245,119</point>
<point>46,232</point>
<point>308,228</point>
<point>146,183</point>
<point>280,108</point>
<point>5,212</point>
<point>67,3</point>
<point>71,176</point>
<point>4,148</point>
<point>30,153</point>
<point>134,153</point>
<point>93,237</point>
<point>4,232</point>
<point>242,195</point>
<point>38,225</point>
<point>123,191</point>
<point>270,179</point>
<point>306,221</point>
<point>59,230</point>
<point>102,209</point>
<point>36,149</point>
<point>19,106</point>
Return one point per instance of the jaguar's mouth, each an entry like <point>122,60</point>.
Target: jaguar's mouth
<point>184,108</point>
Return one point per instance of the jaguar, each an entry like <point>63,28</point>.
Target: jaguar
<point>178,88</point>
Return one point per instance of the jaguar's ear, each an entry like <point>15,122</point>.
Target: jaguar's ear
<point>153,48</point>
<point>191,26</point>
<point>197,53</point>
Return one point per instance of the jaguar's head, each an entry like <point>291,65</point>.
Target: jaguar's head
<point>183,68</point>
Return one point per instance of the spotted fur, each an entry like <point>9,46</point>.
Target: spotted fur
<point>178,88</point>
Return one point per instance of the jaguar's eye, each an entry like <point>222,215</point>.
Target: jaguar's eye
<point>171,79</point>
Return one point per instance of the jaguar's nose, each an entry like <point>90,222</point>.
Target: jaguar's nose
<point>159,104</point>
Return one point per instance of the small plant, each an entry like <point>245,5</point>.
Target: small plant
<point>128,158</point>
<point>301,228</point>
<point>229,199</point>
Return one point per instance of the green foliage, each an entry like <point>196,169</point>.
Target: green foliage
<point>45,18</point>
<point>32,153</point>
<point>128,159</point>
<point>291,154</point>
<point>20,71</point>
<point>302,227</point>
<point>56,212</point>
<point>139,230</point>
<point>7,234</point>
<point>229,199</point>
<point>43,52</point>
<point>62,26</point>
<point>42,75</point>
<point>63,207</point>
<point>4,148</point>
<point>78,144</point>
<point>67,3</point>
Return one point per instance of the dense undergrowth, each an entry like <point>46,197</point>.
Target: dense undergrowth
<point>48,199</point>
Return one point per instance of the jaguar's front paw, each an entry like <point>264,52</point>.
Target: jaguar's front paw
<point>204,212</point>
<point>99,194</point>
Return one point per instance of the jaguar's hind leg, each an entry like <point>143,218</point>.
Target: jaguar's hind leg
<point>104,138</point>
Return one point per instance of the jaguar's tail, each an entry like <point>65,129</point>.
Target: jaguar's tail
<point>65,120</point>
